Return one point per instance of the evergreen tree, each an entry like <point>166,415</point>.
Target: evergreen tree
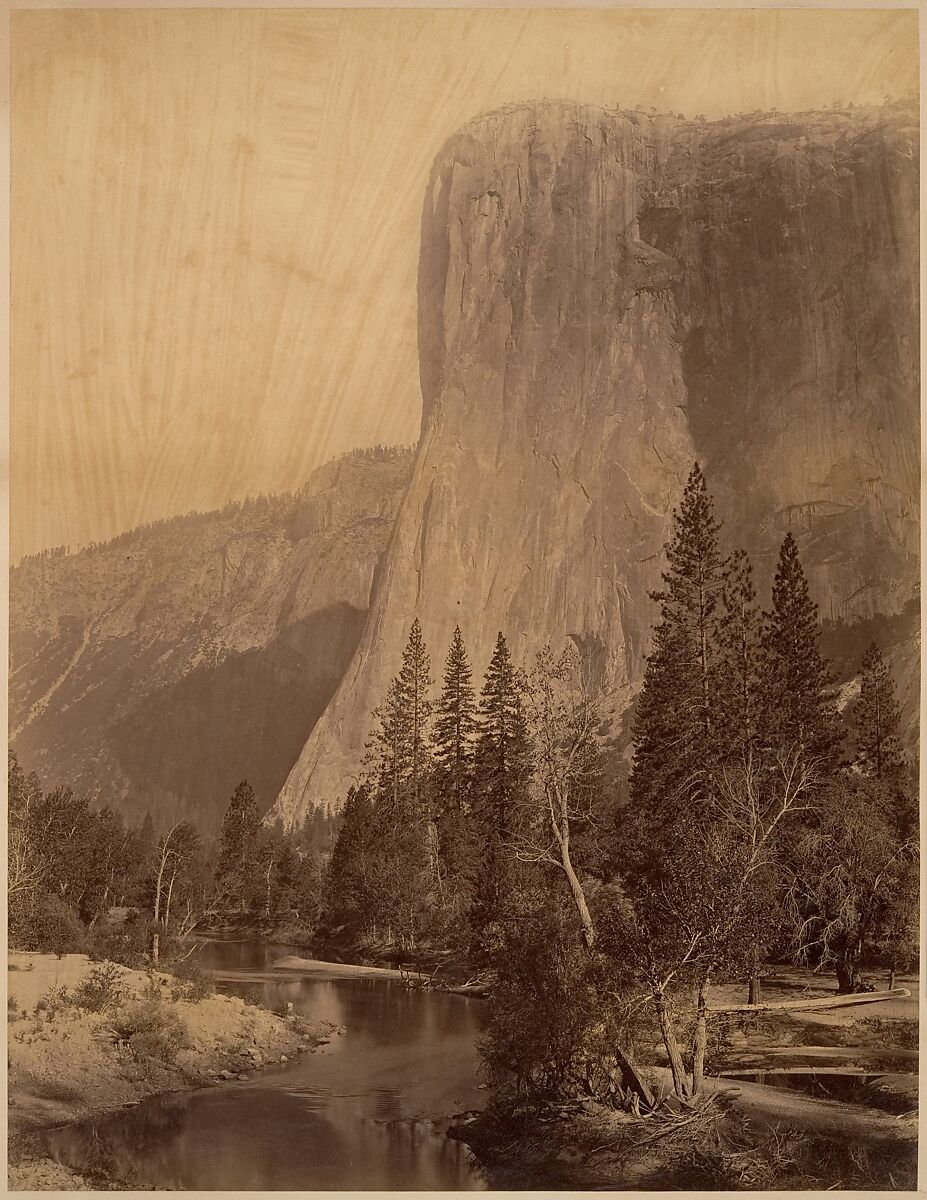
<point>739,669</point>
<point>399,748</point>
<point>453,753</point>
<point>404,869</point>
<point>455,730</point>
<point>798,705</point>
<point>239,848</point>
<point>348,898</point>
<point>387,752</point>
<point>876,719</point>
<point>502,775</point>
<point>415,684</point>
<point>678,727</point>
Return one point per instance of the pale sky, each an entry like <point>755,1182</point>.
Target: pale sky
<point>216,218</point>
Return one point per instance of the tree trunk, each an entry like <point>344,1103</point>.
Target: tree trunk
<point>846,975</point>
<point>155,945</point>
<point>755,993</point>
<point>677,1067</point>
<point>578,895</point>
<point>891,977</point>
<point>167,906</point>
<point>633,1080</point>
<point>700,1040</point>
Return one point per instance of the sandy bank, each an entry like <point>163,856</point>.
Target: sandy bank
<point>67,1063</point>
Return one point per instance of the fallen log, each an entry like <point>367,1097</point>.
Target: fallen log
<point>810,1003</point>
<point>843,1072</point>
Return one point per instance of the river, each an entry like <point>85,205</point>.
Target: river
<point>368,1111</point>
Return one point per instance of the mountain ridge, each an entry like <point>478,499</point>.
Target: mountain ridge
<point>160,668</point>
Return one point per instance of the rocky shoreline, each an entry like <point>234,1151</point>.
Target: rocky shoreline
<point>75,1052</point>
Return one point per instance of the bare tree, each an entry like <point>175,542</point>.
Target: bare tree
<point>565,719</point>
<point>702,918</point>
<point>175,851</point>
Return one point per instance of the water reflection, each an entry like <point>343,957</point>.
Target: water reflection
<point>366,1112</point>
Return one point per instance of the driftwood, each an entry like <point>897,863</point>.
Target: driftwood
<point>814,1002</point>
<point>844,1072</point>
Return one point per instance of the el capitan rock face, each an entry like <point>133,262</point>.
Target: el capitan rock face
<point>603,297</point>
<point>157,670</point>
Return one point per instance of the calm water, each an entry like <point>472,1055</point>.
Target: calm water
<point>367,1111</point>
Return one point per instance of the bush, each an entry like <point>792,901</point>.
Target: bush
<point>101,990</point>
<point>54,928</point>
<point>124,942</point>
<point>54,1002</point>
<point>552,1029</point>
<point>149,1028</point>
<point>190,981</point>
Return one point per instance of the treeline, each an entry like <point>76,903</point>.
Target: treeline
<point>268,503</point>
<point>81,880</point>
<point>763,820</point>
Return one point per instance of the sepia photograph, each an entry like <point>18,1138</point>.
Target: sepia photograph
<point>464,607</point>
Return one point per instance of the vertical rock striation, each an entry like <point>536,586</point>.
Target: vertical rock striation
<point>603,297</point>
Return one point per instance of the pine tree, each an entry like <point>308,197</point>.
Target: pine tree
<point>236,864</point>
<point>455,731</point>
<point>399,748</point>
<point>677,726</point>
<point>404,868</point>
<point>502,774</point>
<point>798,704</point>
<point>739,647</point>
<point>454,740</point>
<point>415,684</point>
<point>876,719</point>
<point>348,898</point>
<point>387,752</point>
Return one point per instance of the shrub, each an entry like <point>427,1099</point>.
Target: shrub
<point>149,1028</point>
<point>54,1002</point>
<point>125,942</point>
<point>101,990</point>
<point>55,928</point>
<point>552,1032</point>
<point>190,981</point>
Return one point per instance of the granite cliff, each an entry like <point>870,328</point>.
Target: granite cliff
<point>604,296</point>
<point>159,669</point>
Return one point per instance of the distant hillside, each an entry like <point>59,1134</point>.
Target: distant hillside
<point>162,667</point>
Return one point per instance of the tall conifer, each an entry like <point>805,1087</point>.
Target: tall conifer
<point>739,648</point>
<point>399,751</point>
<point>677,725</point>
<point>415,684</point>
<point>799,710</point>
<point>502,773</point>
<point>236,865</point>
<point>455,730</point>
<point>876,719</point>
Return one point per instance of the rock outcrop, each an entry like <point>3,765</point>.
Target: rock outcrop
<point>157,670</point>
<point>603,297</point>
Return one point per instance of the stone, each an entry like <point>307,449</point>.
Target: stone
<point>287,580</point>
<point>603,298</point>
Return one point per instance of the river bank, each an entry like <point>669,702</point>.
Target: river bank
<point>86,1038</point>
<point>832,1103</point>
<point>589,1147</point>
